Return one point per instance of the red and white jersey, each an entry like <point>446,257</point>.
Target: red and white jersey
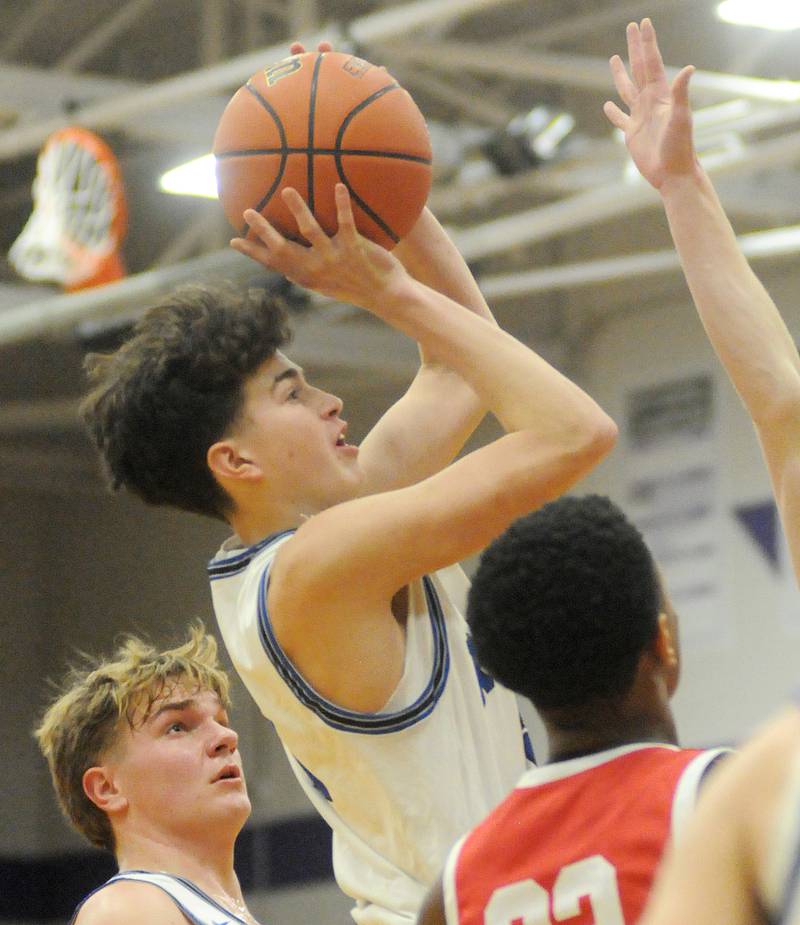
<point>576,841</point>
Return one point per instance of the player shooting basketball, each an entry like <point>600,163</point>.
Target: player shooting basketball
<point>739,861</point>
<point>568,609</point>
<point>145,765</point>
<point>338,595</point>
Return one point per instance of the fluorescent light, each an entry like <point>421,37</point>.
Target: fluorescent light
<point>765,14</point>
<point>194,178</point>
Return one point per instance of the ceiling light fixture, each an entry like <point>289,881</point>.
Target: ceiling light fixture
<point>781,15</point>
<point>194,178</point>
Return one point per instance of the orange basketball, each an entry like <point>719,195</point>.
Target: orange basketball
<point>316,119</point>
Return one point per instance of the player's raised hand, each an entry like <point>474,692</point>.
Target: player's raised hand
<point>658,125</point>
<point>346,266</point>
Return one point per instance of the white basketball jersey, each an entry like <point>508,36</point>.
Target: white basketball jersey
<point>399,786</point>
<point>198,907</point>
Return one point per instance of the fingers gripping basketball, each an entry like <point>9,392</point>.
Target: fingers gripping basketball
<point>316,119</point>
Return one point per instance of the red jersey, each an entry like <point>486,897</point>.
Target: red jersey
<point>577,841</point>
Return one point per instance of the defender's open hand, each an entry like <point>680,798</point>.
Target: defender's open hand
<point>658,127</point>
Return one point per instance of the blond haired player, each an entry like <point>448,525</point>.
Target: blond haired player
<point>740,859</point>
<point>146,765</point>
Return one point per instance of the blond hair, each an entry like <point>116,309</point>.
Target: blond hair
<point>83,723</point>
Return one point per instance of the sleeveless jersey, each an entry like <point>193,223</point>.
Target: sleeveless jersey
<point>398,786</point>
<point>197,906</point>
<point>578,839</point>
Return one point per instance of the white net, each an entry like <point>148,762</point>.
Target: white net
<point>75,221</point>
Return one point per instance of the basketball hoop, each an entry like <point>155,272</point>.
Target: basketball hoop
<point>79,214</point>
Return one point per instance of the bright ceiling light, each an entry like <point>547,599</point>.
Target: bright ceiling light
<point>194,178</point>
<point>765,14</point>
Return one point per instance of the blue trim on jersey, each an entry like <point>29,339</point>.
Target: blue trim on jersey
<point>232,565</point>
<point>350,720</point>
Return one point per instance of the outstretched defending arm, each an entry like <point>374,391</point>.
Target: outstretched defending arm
<point>741,320</point>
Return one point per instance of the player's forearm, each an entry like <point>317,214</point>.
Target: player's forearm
<point>431,257</point>
<point>742,322</point>
<point>518,386</point>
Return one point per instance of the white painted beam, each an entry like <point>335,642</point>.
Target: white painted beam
<point>124,109</point>
<point>504,60</point>
<point>760,245</point>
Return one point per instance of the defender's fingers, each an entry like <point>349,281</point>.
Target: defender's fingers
<point>627,91</point>
<point>615,115</point>
<point>325,46</point>
<point>680,86</point>
<point>636,55</point>
<point>344,212</point>
<point>653,62</point>
<point>307,225</point>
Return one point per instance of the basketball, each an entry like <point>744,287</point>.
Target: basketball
<point>316,119</point>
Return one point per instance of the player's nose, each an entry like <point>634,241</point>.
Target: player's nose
<point>331,405</point>
<point>223,738</point>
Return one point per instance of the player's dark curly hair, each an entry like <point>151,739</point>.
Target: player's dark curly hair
<point>564,603</point>
<point>175,387</point>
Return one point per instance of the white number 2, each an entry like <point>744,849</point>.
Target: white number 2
<point>528,903</point>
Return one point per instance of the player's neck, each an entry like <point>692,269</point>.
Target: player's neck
<point>252,524</point>
<point>600,729</point>
<point>209,866</point>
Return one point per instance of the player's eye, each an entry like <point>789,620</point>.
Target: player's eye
<point>176,727</point>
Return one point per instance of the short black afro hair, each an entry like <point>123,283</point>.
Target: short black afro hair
<point>564,602</point>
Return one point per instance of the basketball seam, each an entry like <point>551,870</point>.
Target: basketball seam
<point>312,105</point>
<point>284,153</point>
<point>345,152</point>
<point>340,168</point>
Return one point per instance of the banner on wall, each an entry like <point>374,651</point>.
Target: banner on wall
<point>671,488</point>
<point>789,596</point>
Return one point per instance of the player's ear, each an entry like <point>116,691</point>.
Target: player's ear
<point>228,461</point>
<point>100,786</point>
<point>666,649</point>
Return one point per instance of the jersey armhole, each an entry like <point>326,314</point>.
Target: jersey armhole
<point>449,887</point>
<point>689,785</point>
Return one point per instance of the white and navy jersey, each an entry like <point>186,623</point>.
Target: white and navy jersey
<point>198,907</point>
<point>399,786</point>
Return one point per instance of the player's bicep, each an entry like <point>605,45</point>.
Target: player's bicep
<point>368,548</point>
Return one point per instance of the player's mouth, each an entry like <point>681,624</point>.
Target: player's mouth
<point>231,772</point>
<point>342,444</point>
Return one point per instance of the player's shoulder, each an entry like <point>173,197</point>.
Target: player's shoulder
<point>129,902</point>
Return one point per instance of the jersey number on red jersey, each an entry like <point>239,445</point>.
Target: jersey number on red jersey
<point>591,881</point>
